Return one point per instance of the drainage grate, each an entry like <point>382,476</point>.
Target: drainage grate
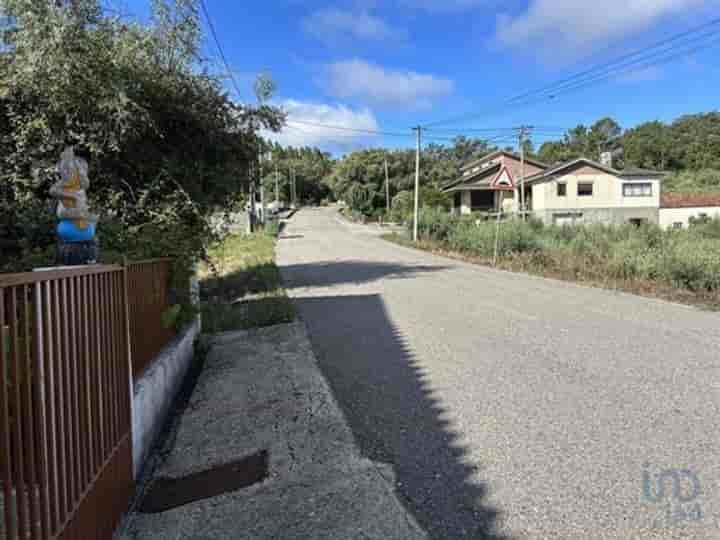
<point>167,493</point>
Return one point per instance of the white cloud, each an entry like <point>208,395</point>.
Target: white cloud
<point>566,29</point>
<point>372,83</point>
<point>332,24</point>
<point>301,129</point>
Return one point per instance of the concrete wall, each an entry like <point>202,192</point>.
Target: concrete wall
<point>670,216</point>
<point>606,216</point>
<point>155,391</point>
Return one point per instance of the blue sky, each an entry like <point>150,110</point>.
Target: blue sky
<point>392,64</point>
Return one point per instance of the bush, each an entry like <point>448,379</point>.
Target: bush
<point>434,224</point>
<point>688,259</point>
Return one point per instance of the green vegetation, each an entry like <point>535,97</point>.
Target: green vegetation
<point>167,148</point>
<point>359,177</point>
<point>241,286</point>
<point>689,147</point>
<point>682,265</point>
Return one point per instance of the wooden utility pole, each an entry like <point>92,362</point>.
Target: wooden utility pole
<point>387,188</point>
<point>417,183</point>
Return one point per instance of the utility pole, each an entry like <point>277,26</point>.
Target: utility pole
<point>251,208</point>
<point>277,189</point>
<point>524,130</point>
<point>417,183</point>
<point>292,187</point>
<point>262,202</point>
<point>387,187</point>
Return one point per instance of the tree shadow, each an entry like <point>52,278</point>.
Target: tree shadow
<point>394,415</point>
<point>327,273</point>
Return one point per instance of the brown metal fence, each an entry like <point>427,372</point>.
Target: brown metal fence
<point>148,298</point>
<point>65,437</point>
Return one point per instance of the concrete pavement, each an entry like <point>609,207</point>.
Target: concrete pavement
<point>262,390</point>
<point>512,406</point>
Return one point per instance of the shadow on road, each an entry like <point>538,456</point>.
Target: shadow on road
<point>324,274</point>
<point>394,414</point>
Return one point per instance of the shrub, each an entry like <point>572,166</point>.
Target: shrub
<point>434,224</point>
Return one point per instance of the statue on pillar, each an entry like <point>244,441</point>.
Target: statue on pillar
<point>76,225</point>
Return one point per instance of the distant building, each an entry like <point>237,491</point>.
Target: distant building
<point>579,191</point>
<point>677,209</point>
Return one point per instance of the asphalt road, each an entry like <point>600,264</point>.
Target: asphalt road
<point>512,406</point>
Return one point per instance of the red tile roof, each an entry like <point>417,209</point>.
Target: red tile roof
<point>689,200</point>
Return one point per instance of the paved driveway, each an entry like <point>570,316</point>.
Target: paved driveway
<point>512,406</point>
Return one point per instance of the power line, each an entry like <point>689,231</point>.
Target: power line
<point>290,123</point>
<point>345,128</point>
<point>623,58</point>
<point>602,71</point>
<point>627,70</point>
<point>219,48</point>
<point>494,130</point>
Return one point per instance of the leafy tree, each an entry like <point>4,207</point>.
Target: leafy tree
<point>647,145</point>
<point>165,144</point>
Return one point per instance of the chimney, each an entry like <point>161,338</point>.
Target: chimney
<point>606,159</point>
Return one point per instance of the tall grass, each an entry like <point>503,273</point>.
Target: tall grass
<point>687,259</point>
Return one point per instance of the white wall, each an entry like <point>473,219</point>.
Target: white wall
<point>607,192</point>
<point>669,216</point>
<point>154,392</point>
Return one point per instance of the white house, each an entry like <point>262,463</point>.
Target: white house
<point>676,209</point>
<point>585,191</point>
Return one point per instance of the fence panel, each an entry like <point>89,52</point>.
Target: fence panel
<point>65,441</point>
<point>148,298</point>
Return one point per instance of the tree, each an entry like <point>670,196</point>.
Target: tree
<point>647,145</point>
<point>166,145</point>
<point>602,137</point>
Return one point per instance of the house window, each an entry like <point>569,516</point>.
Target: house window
<point>637,189</point>
<point>677,225</point>
<point>561,190</point>
<point>585,189</point>
<point>637,222</point>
